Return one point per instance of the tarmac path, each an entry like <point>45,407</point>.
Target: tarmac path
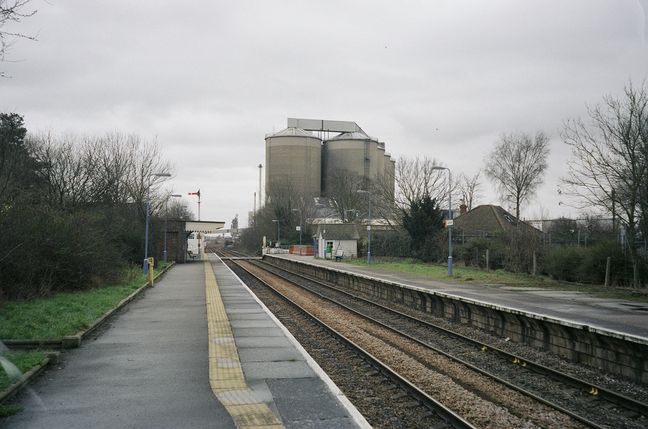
<point>148,369</point>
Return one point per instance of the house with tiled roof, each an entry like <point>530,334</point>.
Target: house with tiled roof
<point>488,221</point>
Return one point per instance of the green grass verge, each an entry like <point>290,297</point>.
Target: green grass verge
<point>7,410</point>
<point>64,313</point>
<point>24,361</point>
<point>472,275</point>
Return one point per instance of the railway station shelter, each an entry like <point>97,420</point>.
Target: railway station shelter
<point>186,239</point>
<point>337,241</point>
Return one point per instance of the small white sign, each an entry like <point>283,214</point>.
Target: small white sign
<point>449,222</point>
<point>298,228</point>
<point>368,227</point>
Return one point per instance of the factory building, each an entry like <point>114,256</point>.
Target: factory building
<point>304,157</point>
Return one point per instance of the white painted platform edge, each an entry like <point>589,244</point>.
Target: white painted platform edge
<point>335,390</point>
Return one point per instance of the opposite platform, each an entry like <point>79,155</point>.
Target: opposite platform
<point>612,315</point>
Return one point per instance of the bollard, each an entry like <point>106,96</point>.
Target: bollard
<point>150,274</point>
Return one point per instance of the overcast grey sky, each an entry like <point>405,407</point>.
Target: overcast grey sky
<point>208,79</point>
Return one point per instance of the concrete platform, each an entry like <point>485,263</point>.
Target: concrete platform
<point>276,367</point>
<point>151,367</point>
<point>147,369</point>
<point>614,315</point>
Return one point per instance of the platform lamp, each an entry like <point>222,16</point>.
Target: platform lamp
<point>148,216</point>
<point>166,218</point>
<point>449,223</point>
<point>277,221</point>
<point>362,191</point>
<point>300,228</point>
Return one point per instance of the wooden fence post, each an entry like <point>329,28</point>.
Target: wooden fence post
<point>608,265</point>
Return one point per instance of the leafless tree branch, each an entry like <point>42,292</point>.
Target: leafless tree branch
<point>609,163</point>
<point>516,166</point>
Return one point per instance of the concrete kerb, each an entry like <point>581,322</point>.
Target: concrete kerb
<point>50,358</point>
<point>74,341</point>
<point>348,405</point>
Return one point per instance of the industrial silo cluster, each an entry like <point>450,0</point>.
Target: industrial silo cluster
<point>303,158</point>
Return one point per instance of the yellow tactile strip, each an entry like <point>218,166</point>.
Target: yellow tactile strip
<point>225,373</point>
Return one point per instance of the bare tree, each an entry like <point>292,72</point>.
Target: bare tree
<point>414,179</point>
<point>516,166</point>
<point>383,199</point>
<point>609,164</point>
<point>470,188</point>
<point>12,11</point>
<point>178,210</point>
<point>109,170</point>
<point>343,188</point>
<point>67,169</point>
<point>141,179</point>
<point>417,177</point>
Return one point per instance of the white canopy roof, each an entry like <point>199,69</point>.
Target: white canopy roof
<point>208,227</point>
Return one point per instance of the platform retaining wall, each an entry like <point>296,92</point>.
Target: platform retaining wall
<point>609,351</point>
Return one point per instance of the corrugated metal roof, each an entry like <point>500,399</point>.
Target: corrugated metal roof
<point>291,131</point>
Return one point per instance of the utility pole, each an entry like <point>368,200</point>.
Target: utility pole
<point>260,190</point>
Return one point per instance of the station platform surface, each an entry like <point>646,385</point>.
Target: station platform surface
<point>615,315</point>
<point>160,364</point>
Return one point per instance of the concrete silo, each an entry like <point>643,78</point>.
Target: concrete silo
<point>293,163</point>
<point>380,158</point>
<point>390,172</point>
<point>353,152</point>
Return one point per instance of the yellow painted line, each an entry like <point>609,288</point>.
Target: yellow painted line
<point>225,373</point>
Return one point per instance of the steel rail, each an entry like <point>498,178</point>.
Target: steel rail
<point>453,419</point>
<point>590,388</point>
<point>501,380</point>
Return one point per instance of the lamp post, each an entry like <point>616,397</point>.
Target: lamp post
<point>148,215</point>
<point>449,217</point>
<point>166,218</point>
<point>300,228</point>
<point>362,191</point>
<point>277,221</point>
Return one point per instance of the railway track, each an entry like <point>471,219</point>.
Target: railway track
<point>393,400</point>
<point>591,405</point>
<point>427,374</point>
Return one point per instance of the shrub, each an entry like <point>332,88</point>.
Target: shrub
<point>54,250</point>
<point>564,263</point>
<point>592,267</point>
<point>587,264</point>
<point>473,253</point>
<point>390,243</point>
